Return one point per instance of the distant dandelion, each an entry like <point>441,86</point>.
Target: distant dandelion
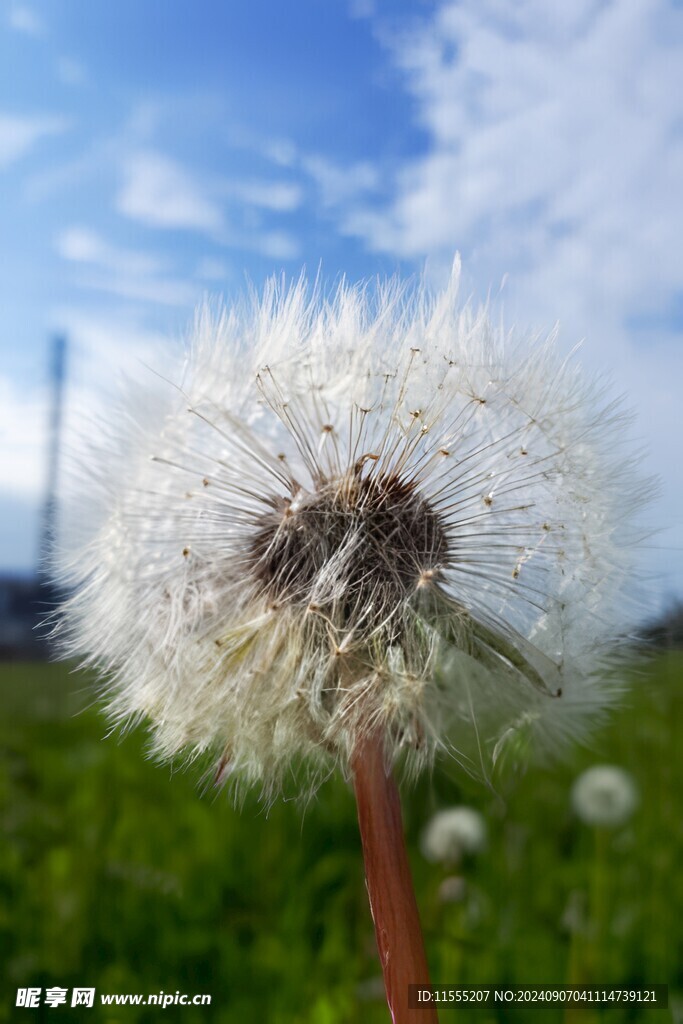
<point>452,834</point>
<point>358,531</point>
<point>604,795</point>
<point>452,889</point>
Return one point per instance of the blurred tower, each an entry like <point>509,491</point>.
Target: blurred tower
<point>57,377</point>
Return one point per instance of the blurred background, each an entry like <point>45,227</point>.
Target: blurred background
<point>155,152</point>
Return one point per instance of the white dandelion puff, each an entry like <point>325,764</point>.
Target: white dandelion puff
<point>452,834</point>
<point>354,515</point>
<point>604,795</point>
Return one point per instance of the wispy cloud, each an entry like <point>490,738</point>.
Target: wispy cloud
<point>282,152</point>
<point>162,193</point>
<point>121,271</point>
<point>167,291</point>
<point>278,245</point>
<point>320,179</point>
<point>25,19</point>
<point>158,191</point>
<point>362,8</point>
<point>339,184</point>
<point>23,431</point>
<point>211,269</point>
<point>554,142</point>
<point>19,134</point>
<point>71,71</point>
<point>276,196</point>
<point>107,342</point>
<point>83,245</point>
<point>107,347</point>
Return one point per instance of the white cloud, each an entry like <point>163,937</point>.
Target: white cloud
<point>555,140</point>
<point>281,151</point>
<point>362,8</point>
<point>52,180</point>
<point>336,183</point>
<point>339,184</point>
<point>102,347</point>
<point>211,269</point>
<point>106,343</point>
<point>155,291</point>
<point>276,196</point>
<point>71,71</point>
<point>167,291</point>
<point>120,271</point>
<point>19,134</point>
<point>23,19</point>
<point>23,433</point>
<point>107,349</point>
<point>277,245</point>
<point>159,192</point>
<point>82,245</point>
<point>277,150</point>
<point>555,154</point>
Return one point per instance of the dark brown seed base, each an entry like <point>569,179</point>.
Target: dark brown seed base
<point>371,542</point>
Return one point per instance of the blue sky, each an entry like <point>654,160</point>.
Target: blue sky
<point>154,151</point>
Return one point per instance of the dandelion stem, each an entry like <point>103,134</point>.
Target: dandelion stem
<point>599,900</point>
<point>389,882</point>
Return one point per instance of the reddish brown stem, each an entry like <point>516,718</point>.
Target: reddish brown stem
<point>390,885</point>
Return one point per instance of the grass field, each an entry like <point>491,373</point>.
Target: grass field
<point>118,875</point>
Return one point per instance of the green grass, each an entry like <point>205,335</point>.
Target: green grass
<point>116,874</point>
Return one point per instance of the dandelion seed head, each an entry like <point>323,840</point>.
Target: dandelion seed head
<point>452,834</point>
<point>604,795</point>
<point>351,513</point>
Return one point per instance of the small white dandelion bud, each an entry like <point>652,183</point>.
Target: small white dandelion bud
<point>604,795</point>
<point>453,834</point>
<point>353,519</point>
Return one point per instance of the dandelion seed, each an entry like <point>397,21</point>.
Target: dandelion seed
<point>370,571</point>
<point>604,795</point>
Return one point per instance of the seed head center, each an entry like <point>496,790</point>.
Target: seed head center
<point>352,544</point>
